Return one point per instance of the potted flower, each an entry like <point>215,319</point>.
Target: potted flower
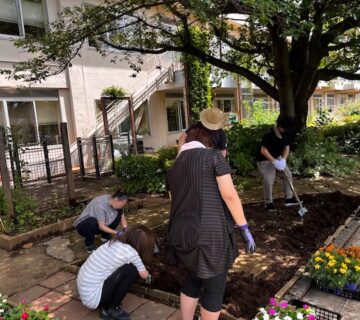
<point>22,312</point>
<point>276,310</point>
<point>336,268</point>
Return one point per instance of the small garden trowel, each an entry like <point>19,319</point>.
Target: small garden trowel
<point>302,210</point>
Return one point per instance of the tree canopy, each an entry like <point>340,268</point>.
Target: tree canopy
<point>285,47</point>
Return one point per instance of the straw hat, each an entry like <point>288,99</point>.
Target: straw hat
<point>212,118</point>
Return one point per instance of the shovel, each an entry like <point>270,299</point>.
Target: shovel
<point>302,210</point>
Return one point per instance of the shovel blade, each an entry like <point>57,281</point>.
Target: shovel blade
<point>302,211</point>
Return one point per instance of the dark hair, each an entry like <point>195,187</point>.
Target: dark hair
<point>142,239</point>
<point>120,195</point>
<point>286,123</point>
<point>201,135</point>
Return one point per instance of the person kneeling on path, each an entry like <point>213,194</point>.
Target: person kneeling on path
<point>107,274</point>
<point>102,216</point>
<point>271,160</point>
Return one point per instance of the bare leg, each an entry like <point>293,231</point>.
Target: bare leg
<point>188,307</point>
<point>208,315</point>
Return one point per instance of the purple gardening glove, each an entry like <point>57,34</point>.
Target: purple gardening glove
<point>119,234</point>
<point>247,237</point>
<point>125,229</point>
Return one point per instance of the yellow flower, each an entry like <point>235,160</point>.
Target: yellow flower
<point>318,259</point>
<point>331,263</point>
<point>342,270</point>
<point>357,268</point>
<point>327,254</point>
<point>335,270</point>
<point>331,257</point>
<point>347,260</point>
<point>344,266</point>
<point>317,266</point>
<point>317,253</point>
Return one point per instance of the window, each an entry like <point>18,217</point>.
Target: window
<point>48,118</point>
<point>318,102</point>
<point>22,121</point>
<point>342,99</point>
<point>226,105</point>
<point>175,115</point>
<point>20,17</point>
<point>330,102</point>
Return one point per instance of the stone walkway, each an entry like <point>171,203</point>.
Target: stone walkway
<point>32,274</point>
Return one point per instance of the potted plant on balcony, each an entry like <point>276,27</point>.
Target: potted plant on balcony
<point>336,268</point>
<point>284,310</point>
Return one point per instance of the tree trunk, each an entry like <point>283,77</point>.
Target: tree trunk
<point>301,113</point>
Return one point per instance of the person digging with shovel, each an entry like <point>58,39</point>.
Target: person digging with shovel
<point>271,160</point>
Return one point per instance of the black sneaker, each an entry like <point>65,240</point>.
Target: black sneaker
<point>290,202</point>
<point>270,206</point>
<point>91,248</point>
<point>114,314</point>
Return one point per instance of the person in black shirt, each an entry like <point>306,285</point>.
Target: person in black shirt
<point>212,119</point>
<point>271,159</point>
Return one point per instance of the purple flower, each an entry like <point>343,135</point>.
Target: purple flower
<point>284,305</point>
<point>272,312</point>
<point>305,306</point>
<point>311,317</point>
<point>272,302</point>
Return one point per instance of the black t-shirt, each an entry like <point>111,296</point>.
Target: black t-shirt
<point>218,137</point>
<point>273,144</point>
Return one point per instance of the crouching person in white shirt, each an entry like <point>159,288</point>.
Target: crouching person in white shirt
<point>108,273</point>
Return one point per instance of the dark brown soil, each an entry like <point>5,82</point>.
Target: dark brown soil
<point>282,236</point>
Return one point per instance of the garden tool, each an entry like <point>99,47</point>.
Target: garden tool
<point>302,210</point>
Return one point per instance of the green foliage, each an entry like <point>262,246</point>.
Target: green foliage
<point>145,173</point>
<point>317,155</point>
<point>140,173</point>
<point>113,92</point>
<point>257,115</point>
<point>243,143</point>
<point>198,73</point>
<point>347,136</point>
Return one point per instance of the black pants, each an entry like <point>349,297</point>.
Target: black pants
<point>90,227</point>
<point>210,291</point>
<point>117,285</point>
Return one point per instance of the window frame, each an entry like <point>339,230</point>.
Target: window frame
<point>20,21</point>
<point>180,103</point>
<point>221,100</point>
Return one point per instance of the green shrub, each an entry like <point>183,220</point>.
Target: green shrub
<point>258,115</point>
<point>114,92</point>
<point>166,157</point>
<point>347,136</point>
<point>317,155</point>
<point>243,143</point>
<point>140,173</point>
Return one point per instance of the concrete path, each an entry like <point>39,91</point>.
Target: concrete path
<point>35,274</point>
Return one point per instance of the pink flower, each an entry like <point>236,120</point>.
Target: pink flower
<point>272,312</point>
<point>305,306</point>
<point>272,302</point>
<point>46,308</point>
<point>24,316</point>
<point>311,317</point>
<point>23,301</point>
<point>284,305</point>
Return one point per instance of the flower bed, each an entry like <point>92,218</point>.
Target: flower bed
<point>283,240</point>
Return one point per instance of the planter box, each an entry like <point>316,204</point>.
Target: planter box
<point>321,314</point>
<point>12,242</point>
<point>345,293</point>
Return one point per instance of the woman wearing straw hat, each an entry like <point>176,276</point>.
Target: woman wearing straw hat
<point>212,119</point>
<point>205,212</point>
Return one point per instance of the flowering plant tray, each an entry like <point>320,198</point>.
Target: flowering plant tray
<point>320,313</point>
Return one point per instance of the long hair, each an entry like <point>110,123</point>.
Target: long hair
<point>201,135</point>
<point>142,239</point>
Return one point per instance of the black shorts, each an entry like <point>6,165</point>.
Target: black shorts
<point>210,291</point>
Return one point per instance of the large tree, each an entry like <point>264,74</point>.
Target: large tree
<point>285,47</point>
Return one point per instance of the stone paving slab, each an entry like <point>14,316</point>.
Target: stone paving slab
<point>326,300</point>
<point>71,311</point>
<point>29,295</point>
<point>57,279</point>
<point>153,311</point>
<point>52,299</point>
<point>69,289</point>
<point>132,302</point>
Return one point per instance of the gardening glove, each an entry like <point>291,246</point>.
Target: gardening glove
<point>247,237</point>
<point>148,279</point>
<point>278,164</point>
<point>125,229</point>
<point>282,162</point>
<point>119,234</point>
